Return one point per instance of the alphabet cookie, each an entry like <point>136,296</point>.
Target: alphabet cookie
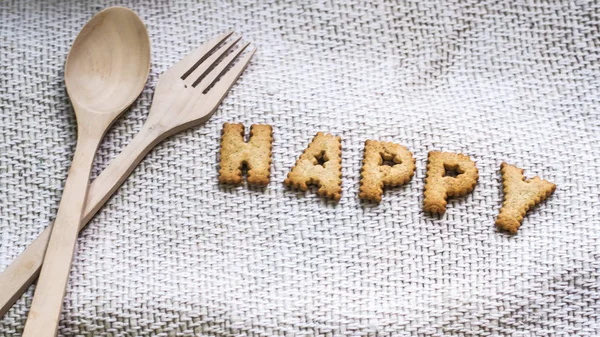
<point>520,195</point>
<point>440,184</point>
<point>255,154</point>
<point>328,175</point>
<point>375,176</point>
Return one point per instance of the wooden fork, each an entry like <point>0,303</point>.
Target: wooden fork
<point>186,95</point>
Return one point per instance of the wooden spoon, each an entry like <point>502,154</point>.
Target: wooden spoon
<point>105,72</point>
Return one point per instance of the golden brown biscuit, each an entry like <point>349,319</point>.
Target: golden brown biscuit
<point>307,169</point>
<point>255,154</point>
<point>375,175</point>
<point>439,185</point>
<point>519,196</point>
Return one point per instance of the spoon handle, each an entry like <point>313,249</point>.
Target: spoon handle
<point>47,302</point>
<point>24,270</point>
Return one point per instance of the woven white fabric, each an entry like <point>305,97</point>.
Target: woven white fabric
<point>175,254</point>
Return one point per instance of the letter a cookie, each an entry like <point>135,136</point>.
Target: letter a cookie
<point>256,154</point>
<point>439,185</point>
<point>519,196</point>
<point>328,176</point>
<point>375,176</point>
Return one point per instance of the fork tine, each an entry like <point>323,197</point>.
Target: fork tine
<point>229,78</point>
<point>193,59</point>
<point>201,71</point>
<point>220,69</point>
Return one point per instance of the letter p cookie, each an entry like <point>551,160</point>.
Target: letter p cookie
<point>375,175</point>
<point>441,182</point>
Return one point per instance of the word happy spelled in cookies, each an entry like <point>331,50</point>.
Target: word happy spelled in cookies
<point>448,174</point>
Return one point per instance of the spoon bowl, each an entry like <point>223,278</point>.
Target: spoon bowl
<point>109,61</point>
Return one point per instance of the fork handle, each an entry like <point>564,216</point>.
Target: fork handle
<point>24,270</point>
